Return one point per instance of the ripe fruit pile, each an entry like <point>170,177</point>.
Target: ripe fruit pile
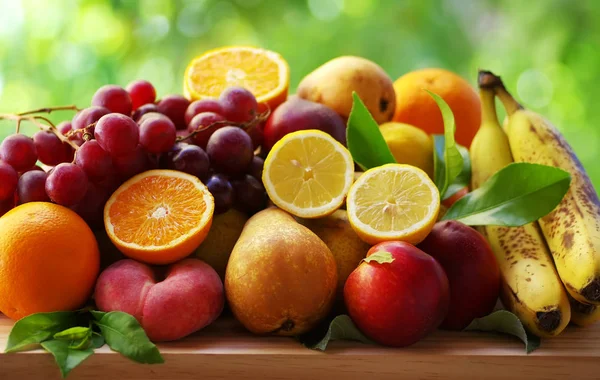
<point>125,132</point>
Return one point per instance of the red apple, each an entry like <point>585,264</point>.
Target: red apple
<point>397,303</point>
<point>472,271</point>
<point>190,297</point>
<point>298,114</point>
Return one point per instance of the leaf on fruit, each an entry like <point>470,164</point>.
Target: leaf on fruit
<point>447,160</point>
<point>340,328</point>
<point>518,194</point>
<point>365,141</point>
<point>123,334</point>
<point>381,257</point>
<point>503,321</point>
<point>66,358</point>
<point>464,177</point>
<point>36,328</point>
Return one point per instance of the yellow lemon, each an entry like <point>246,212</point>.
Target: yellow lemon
<point>409,145</point>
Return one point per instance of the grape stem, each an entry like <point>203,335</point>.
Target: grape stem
<point>245,126</point>
<point>35,119</point>
<point>72,107</point>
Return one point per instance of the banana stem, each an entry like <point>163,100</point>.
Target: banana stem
<point>488,107</point>
<point>488,80</point>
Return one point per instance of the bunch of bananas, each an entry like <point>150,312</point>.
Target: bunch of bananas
<point>550,268</point>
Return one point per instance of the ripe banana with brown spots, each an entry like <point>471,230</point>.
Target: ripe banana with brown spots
<point>572,229</point>
<point>584,314</point>
<point>531,288</point>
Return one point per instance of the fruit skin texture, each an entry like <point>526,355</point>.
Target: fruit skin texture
<point>189,298</point>
<point>299,114</point>
<point>572,229</point>
<point>584,314</point>
<point>398,303</point>
<point>332,84</point>
<point>225,230</point>
<point>416,107</point>
<point>530,286</point>
<point>49,260</point>
<point>345,245</point>
<point>471,268</point>
<point>280,278</point>
<point>409,145</point>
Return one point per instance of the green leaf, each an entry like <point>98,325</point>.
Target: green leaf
<point>36,328</point>
<point>503,321</point>
<point>381,257</point>
<point>464,177</point>
<point>66,358</point>
<point>447,162</point>
<point>124,334</point>
<point>97,340</point>
<point>340,328</point>
<point>73,333</point>
<point>518,194</point>
<point>365,141</point>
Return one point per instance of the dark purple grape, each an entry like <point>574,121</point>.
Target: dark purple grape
<point>141,92</point>
<point>191,159</point>
<point>32,187</point>
<point>144,110</point>
<point>157,134</point>
<point>117,134</point>
<point>66,184</point>
<point>230,150</point>
<point>204,119</point>
<point>239,105</point>
<point>200,106</point>
<point>250,194</point>
<point>256,168</point>
<point>222,192</point>
<point>8,181</point>
<point>164,161</point>
<point>131,163</point>
<point>51,151</point>
<point>174,106</point>
<point>113,97</point>
<point>88,116</point>
<point>18,151</point>
<point>95,161</point>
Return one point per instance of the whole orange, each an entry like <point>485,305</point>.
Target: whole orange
<point>49,260</point>
<point>415,106</point>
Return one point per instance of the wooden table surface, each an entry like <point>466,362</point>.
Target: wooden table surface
<point>225,351</point>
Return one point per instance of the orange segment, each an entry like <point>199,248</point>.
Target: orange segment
<point>263,72</point>
<point>159,216</point>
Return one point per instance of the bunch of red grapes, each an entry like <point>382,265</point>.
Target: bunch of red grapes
<point>125,132</point>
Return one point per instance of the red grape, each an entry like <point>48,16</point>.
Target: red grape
<point>257,134</point>
<point>66,127</point>
<point>250,194</point>
<point>143,110</point>
<point>204,119</point>
<point>91,207</point>
<point>191,159</point>
<point>131,163</point>
<point>8,181</point>
<point>51,151</point>
<point>113,97</point>
<point>230,150</point>
<point>222,192</point>
<point>66,184</point>
<point>200,106</point>
<point>256,168</point>
<point>6,206</point>
<point>88,116</point>
<point>174,106</point>
<point>141,92</point>
<point>157,134</point>
<point>117,134</point>
<point>239,105</point>
<point>18,151</point>
<point>32,187</point>
<point>95,161</point>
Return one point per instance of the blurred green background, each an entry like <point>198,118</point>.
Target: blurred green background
<point>59,52</point>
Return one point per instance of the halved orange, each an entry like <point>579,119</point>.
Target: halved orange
<point>263,72</point>
<point>159,216</point>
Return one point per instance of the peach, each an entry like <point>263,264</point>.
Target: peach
<point>472,271</point>
<point>190,297</point>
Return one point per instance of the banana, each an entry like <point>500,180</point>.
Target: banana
<point>584,314</point>
<point>531,288</point>
<point>572,229</point>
